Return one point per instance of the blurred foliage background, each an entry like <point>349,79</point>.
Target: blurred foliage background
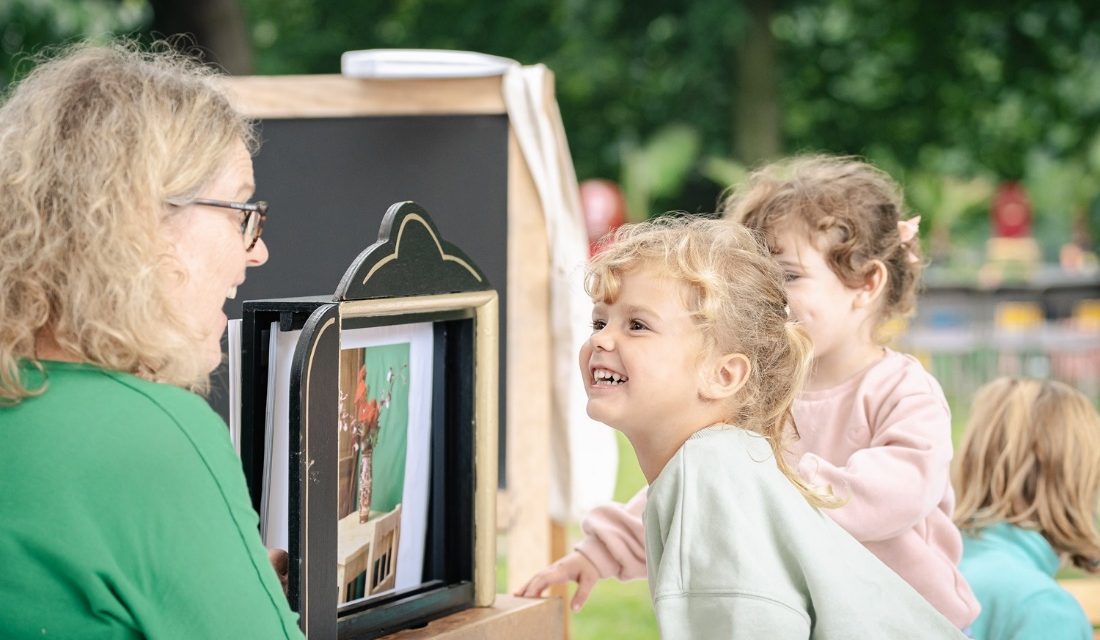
<point>674,99</point>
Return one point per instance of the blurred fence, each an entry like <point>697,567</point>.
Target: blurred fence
<point>1049,327</point>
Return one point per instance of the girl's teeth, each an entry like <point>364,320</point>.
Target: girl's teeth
<point>607,377</point>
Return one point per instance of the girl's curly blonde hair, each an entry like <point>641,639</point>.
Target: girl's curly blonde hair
<point>739,302</point>
<point>94,144</point>
<point>1031,457</point>
<point>850,211</point>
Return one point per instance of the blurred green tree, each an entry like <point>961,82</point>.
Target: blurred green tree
<point>26,26</point>
<point>217,27</point>
<point>973,91</point>
<point>624,70</point>
<point>988,82</point>
<point>676,98</point>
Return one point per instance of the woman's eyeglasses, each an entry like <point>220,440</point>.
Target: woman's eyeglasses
<point>255,213</point>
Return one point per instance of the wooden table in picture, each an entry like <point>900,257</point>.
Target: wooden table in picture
<point>366,562</point>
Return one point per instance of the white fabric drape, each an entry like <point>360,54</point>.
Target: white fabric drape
<point>585,457</point>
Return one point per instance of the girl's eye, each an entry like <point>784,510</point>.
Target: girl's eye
<point>598,324</point>
<point>636,325</point>
<point>790,277</point>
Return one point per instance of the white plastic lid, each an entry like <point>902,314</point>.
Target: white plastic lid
<point>421,63</point>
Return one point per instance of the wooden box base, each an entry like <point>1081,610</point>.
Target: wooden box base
<point>509,618</point>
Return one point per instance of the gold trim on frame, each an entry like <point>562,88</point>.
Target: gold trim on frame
<point>397,249</point>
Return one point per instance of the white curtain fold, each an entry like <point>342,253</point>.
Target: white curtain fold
<point>584,452</point>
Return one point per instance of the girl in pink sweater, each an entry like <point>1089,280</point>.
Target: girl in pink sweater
<point>872,424</point>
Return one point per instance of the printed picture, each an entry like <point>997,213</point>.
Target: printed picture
<point>384,423</point>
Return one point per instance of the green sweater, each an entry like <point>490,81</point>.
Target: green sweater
<point>124,514</point>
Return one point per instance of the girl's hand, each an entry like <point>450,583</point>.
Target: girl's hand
<point>571,568</point>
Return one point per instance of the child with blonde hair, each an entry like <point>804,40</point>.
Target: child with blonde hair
<point>871,423</point>
<point>694,358</point>
<point>1028,480</point>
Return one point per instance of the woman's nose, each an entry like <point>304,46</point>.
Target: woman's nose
<point>257,255</point>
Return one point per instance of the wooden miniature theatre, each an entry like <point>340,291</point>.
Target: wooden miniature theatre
<point>487,156</point>
<point>369,434</point>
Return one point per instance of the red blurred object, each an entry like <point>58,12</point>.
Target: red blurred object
<point>604,209</point>
<point>1011,211</point>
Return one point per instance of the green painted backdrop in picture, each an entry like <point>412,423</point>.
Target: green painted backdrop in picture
<point>387,376</point>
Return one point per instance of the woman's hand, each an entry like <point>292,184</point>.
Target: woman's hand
<point>571,568</point>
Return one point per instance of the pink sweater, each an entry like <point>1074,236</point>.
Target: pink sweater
<point>882,440</point>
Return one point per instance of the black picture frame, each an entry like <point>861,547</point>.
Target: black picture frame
<point>410,275</point>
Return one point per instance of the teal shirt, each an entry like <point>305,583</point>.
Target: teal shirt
<point>1011,570</point>
<point>124,514</point>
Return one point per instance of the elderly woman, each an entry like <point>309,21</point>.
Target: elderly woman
<point>124,225</point>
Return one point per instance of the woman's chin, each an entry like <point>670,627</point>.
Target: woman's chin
<point>213,355</point>
<point>212,346</point>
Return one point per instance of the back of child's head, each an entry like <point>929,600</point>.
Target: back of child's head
<point>848,209</point>
<point>1031,457</point>
<point>738,300</point>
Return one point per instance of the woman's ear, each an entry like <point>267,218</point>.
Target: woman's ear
<point>874,283</point>
<point>725,377</point>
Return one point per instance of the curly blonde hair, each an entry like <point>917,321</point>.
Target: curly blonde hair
<point>739,302</point>
<point>94,145</point>
<point>1031,457</point>
<point>849,209</point>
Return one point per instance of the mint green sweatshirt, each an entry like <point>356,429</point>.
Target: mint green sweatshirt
<point>735,551</point>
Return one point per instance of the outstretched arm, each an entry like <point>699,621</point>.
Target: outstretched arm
<point>614,545</point>
<point>615,539</point>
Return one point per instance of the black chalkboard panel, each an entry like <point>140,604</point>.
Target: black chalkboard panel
<point>329,182</point>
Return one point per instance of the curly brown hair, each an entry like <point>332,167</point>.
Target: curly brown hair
<point>849,209</point>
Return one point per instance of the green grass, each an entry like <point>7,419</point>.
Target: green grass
<point>618,609</point>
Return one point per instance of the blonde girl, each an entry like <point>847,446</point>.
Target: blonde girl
<point>694,358</point>
<point>872,425</point>
<point>1028,480</point>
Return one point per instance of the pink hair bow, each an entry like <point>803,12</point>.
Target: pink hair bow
<point>907,230</point>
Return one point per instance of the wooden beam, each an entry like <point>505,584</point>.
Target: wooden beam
<point>334,96</point>
<point>529,384</point>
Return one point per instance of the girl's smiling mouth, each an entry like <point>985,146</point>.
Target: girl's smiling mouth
<point>607,378</point>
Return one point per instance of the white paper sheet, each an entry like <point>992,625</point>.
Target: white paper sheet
<point>275,501</point>
<point>233,335</point>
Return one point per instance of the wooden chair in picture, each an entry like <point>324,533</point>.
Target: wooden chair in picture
<point>366,562</point>
<point>383,558</point>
